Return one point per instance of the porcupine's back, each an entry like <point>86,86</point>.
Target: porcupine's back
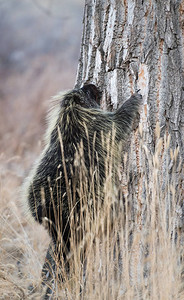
<point>61,159</point>
<point>77,146</point>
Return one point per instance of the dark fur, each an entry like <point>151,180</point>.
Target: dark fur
<point>80,117</point>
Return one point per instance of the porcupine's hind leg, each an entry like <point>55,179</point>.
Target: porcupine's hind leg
<point>56,257</point>
<point>49,272</point>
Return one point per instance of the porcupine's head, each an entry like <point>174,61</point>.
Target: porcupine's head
<point>88,96</point>
<point>92,95</point>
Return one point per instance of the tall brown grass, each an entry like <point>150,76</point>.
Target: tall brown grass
<point>132,246</point>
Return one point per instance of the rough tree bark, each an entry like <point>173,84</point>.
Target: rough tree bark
<point>136,44</point>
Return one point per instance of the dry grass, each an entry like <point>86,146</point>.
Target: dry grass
<point>139,257</point>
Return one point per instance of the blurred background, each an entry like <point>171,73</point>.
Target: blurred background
<point>39,51</point>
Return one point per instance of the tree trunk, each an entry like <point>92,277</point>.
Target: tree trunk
<point>136,44</point>
<point>130,45</point>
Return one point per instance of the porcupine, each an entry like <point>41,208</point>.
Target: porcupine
<point>78,122</point>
